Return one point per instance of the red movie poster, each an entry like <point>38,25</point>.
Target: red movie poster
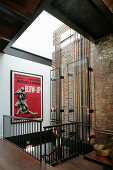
<point>26,95</point>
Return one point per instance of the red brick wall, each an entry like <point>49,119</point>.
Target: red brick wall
<point>101,60</point>
<point>102,56</point>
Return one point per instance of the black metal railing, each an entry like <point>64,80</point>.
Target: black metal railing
<point>25,133</point>
<point>55,144</point>
<point>67,140</point>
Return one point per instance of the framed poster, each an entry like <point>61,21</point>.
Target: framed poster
<point>26,95</point>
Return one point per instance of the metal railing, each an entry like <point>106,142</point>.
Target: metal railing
<point>67,141</point>
<point>55,144</point>
<point>24,133</point>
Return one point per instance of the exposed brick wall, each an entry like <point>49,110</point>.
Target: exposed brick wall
<point>102,54</point>
<point>101,60</point>
<point>67,56</point>
<point>63,57</point>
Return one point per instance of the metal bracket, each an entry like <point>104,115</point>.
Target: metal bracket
<point>62,77</point>
<point>53,79</point>
<point>90,69</point>
<point>70,75</point>
<point>71,110</point>
<point>91,111</point>
<point>61,110</point>
<point>92,137</point>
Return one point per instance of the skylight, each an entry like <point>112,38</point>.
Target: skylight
<point>38,38</point>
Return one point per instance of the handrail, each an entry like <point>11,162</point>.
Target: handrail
<point>63,124</point>
<point>22,118</point>
<point>107,132</point>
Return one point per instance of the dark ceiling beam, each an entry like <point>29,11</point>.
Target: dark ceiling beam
<point>6,22</point>
<point>29,56</point>
<point>42,6</point>
<point>104,9</point>
<point>3,43</point>
<point>65,20</point>
<point>8,26</point>
<point>12,13</point>
<point>3,38</point>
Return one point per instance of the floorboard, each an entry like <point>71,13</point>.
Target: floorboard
<point>79,163</point>
<point>12,158</point>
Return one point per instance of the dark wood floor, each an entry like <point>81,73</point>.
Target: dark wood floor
<point>12,158</point>
<point>79,163</point>
<point>105,161</point>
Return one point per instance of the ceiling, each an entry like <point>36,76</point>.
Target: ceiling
<point>91,18</point>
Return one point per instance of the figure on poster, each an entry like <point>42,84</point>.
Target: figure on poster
<point>22,102</point>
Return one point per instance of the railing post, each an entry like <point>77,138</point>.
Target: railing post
<point>40,142</point>
<point>3,126</point>
<point>45,143</point>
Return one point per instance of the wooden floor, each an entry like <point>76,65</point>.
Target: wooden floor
<point>105,161</point>
<point>78,163</point>
<point>12,158</point>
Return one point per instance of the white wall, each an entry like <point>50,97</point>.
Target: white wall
<point>8,63</point>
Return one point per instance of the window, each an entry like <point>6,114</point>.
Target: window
<point>67,37</point>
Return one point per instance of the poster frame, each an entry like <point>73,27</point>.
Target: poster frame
<point>12,94</point>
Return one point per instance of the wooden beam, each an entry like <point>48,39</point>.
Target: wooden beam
<point>7,32</point>
<point>25,8</point>
<point>12,13</point>
<point>8,26</point>
<point>6,22</point>
<point>65,20</point>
